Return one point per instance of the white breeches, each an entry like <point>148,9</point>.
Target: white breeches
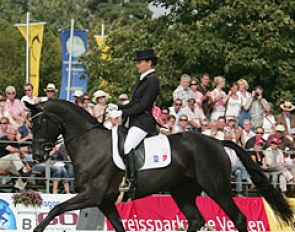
<point>134,137</point>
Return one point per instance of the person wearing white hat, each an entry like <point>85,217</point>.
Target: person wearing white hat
<point>50,91</point>
<point>77,94</point>
<point>285,140</point>
<point>123,99</point>
<point>99,98</point>
<point>286,118</point>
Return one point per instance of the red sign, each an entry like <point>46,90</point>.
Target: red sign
<point>160,213</point>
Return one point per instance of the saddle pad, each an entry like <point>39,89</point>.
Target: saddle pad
<point>157,152</point>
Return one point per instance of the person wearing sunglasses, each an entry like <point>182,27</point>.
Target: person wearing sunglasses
<point>286,140</point>
<point>4,123</point>
<point>198,95</point>
<point>89,105</point>
<point>29,97</point>
<point>176,109</point>
<point>258,135</point>
<point>50,92</point>
<point>182,124</point>
<point>14,107</point>
<point>286,118</point>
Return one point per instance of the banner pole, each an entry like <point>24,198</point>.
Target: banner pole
<point>28,49</point>
<point>102,33</point>
<point>70,59</point>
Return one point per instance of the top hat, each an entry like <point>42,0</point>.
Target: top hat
<point>146,54</point>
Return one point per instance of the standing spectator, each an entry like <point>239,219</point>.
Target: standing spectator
<point>206,99</point>
<point>29,97</point>
<point>257,105</point>
<point>123,99</point>
<point>234,102</point>
<point>163,120</point>
<point>194,114</point>
<point>247,132</point>
<point>99,98</point>
<point>4,123</point>
<point>183,91</point>
<point>176,109</point>
<point>182,124</point>
<point>257,154</point>
<point>269,122</point>
<point>219,98</point>
<point>198,95</point>
<point>275,159</point>
<point>237,168</point>
<point>245,95</point>
<point>50,92</point>
<point>221,123</point>
<point>14,107</point>
<point>89,105</point>
<point>259,135</point>
<point>286,118</point>
<point>285,140</point>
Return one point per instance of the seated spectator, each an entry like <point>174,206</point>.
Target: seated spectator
<point>3,112</point>
<point>79,101</point>
<point>257,105</point>
<point>239,137</point>
<point>50,92</point>
<point>206,99</point>
<point>182,124</point>
<point>275,159</point>
<point>99,98</point>
<point>259,135</point>
<point>231,122</point>
<point>77,95</point>
<point>269,122</point>
<point>11,158</point>
<point>24,134</point>
<point>234,102</point>
<point>14,107</point>
<point>29,97</point>
<point>245,95</point>
<point>219,98</point>
<point>237,167</point>
<point>194,114</point>
<point>4,123</point>
<point>89,105</point>
<point>170,127</point>
<point>183,91</point>
<point>123,99</point>
<point>285,140</point>
<point>176,109</point>
<point>257,154</point>
<point>247,132</point>
<point>286,118</point>
<point>156,112</point>
<point>205,125</point>
<point>213,131</point>
<point>198,95</point>
<point>221,123</point>
<point>163,120</point>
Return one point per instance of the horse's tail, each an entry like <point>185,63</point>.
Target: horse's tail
<point>276,200</point>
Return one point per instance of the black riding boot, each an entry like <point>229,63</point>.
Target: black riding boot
<point>130,172</point>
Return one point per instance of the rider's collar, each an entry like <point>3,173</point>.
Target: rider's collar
<point>143,75</point>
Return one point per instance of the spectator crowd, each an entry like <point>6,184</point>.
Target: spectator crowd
<point>241,114</point>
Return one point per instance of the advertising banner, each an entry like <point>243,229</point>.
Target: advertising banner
<point>78,80</point>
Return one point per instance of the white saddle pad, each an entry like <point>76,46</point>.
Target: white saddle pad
<point>157,152</point>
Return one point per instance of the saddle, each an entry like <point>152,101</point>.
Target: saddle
<point>139,152</point>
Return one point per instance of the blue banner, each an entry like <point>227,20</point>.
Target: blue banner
<point>79,78</point>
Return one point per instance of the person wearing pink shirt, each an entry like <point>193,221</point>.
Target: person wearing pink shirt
<point>14,106</point>
<point>219,98</point>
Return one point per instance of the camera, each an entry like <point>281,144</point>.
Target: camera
<point>257,94</point>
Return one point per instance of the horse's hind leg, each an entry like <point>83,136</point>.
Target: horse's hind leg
<point>185,198</point>
<point>111,212</point>
<point>80,201</point>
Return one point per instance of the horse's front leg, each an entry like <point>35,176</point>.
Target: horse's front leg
<point>80,201</point>
<point>109,209</point>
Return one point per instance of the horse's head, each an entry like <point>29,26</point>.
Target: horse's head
<point>46,127</point>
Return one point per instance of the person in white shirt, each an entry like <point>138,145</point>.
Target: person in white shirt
<point>50,92</point>
<point>245,95</point>
<point>234,102</point>
<point>247,132</point>
<point>176,109</point>
<point>269,122</point>
<point>194,114</point>
<point>183,91</point>
<point>29,97</point>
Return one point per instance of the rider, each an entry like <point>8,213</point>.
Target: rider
<point>139,110</point>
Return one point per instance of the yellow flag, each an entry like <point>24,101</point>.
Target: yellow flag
<point>36,40</point>
<point>102,45</point>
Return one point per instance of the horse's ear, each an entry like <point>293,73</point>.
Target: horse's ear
<point>33,108</point>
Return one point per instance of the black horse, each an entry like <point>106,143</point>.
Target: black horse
<point>199,163</point>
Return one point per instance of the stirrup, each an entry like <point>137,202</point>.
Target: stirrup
<point>125,185</point>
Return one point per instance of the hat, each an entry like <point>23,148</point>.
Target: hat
<point>291,131</point>
<point>280,127</point>
<point>231,117</point>
<point>50,86</point>
<point>123,97</point>
<point>146,54</point>
<point>287,106</point>
<point>259,141</point>
<point>99,93</point>
<point>78,93</point>
<point>275,140</point>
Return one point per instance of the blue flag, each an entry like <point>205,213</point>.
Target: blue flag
<point>78,76</point>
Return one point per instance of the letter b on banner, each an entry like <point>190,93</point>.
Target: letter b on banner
<point>26,221</point>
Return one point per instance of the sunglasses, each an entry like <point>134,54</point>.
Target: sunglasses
<point>28,90</point>
<point>50,91</point>
<point>11,93</point>
<point>178,104</point>
<point>165,113</point>
<point>205,124</point>
<point>4,123</point>
<point>274,143</point>
<point>259,133</point>
<point>183,120</point>
<point>86,98</point>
